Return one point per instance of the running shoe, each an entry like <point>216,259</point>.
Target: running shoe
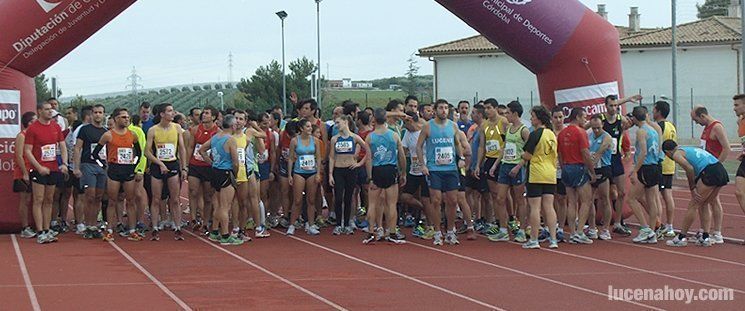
<point>321,222</point>
<point>470,233</point>
<point>261,232</point>
<point>553,243</point>
<point>64,226</point>
<point>331,221</point>
<point>369,239</point>
<point>250,224</point>
<point>124,233</point>
<point>52,237</point>
<point>55,226</point>
<point>621,230</point>
<point>560,236</point>
<point>361,211</point>
<point>669,232</point>
<point>230,240</point>
<point>604,235</point>
<point>196,226</point>
<point>514,225</point>
<point>80,228</point>
<point>520,236</point>
<point>290,230</point>
<point>28,233</point>
<point>108,236</point>
<point>41,238</point>
<point>313,230</point>
<point>272,221</point>
<point>478,225</point>
<point>284,223</point>
<point>362,224</point>
<point>398,234</point>
<point>54,233</point>
<point>644,235</point>
<point>706,242</point>
<point>462,228</point>
<point>429,233</point>
<point>134,236</point>
<point>592,233</point>
<point>542,236</point>
<point>418,231</point>
<point>579,238</point>
<point>392,239</point>
<point>499,237</point>
<point>349,230</point>
<point>532,244</point>
<point>214,236</point>
<point>120,228</point>
<point>409,221</point>
<point>717,238</point>
<point>451,238</point>
<point>438,238</point>
<point>491,230</point>
<point>155,236</point>
<point>677,242</point>
<point>338,230</point>
<point>179,236</point>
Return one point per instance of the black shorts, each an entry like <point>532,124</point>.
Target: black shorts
<point>741,169</point>
<point>20,185</point>
<point>538,190</point>
<point>305,176</point>
<point>560,188</point>
<point>362,176</point>
<point>478,184</point>
<point>222,178</point>
<point>666,183</point>
<point>714,175</point>
<point>649,175</point>
<point>488,162</point>
<point>616,165</point>
<point>52,179</point>
<point>121,172</point>
<point>283,167</point>
<point>416,184</point>
<point>384,176</point>
<point>173,170</point>
<point>602,174</point>
<point>200,172</point>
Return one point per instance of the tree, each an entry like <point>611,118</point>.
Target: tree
<point>218,86</point>
<point>42,88</point>
<point>264,88</point>
<point>228,85</point>
<point>174,90</point>
<point>239,101</point>
<point>207,87</point>
<point>711,8</point>
<point>197,88</point>
<point>79,101</point>
<point>185,89</point>
<point>411,74</point>
<point>299,79</point>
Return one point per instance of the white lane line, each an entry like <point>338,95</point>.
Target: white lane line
<point>26,277</point>
<point>274,275</point>
<point>396,273</point>
<point>604,295</point>
<point>680,253</point>
<point>152,278</point>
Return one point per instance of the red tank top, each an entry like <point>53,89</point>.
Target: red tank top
<point>17,174</point>
<point>363,135</point>
<point>709,144</point>
<point>269,143</point>
<point>284,145</point>
<point>201,136</point>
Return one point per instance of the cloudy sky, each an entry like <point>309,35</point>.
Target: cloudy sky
<point>185,41</point>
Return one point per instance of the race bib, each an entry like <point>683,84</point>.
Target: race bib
<point>308,162</point>
<point>285,153</point>
<point>614,146</point>
<point>416,169</point>
<point>510,152</point>
<point>263,156</point>
<point>124,156</point>
<point>166,152</point>
<point>492,145</point>
<point>196,155</point>
<point>49,153</point>
<point>444,155</point>
<point>242,156</point>
<point>703,144</point>
<point>343,147</point>
<point>101,154</point>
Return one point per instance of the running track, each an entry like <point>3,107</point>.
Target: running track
<point>339,273</point>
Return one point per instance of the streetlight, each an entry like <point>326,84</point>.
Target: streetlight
<point>222,102</point>
<point>282,15</point>
<point>318,29</point>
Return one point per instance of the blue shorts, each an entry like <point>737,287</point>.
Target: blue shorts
<point>94,176</point>
<point>505,178</point>
<point>444,181</point>
<point>264,170</point>
<point>616,166</point>
<point>574,175</point>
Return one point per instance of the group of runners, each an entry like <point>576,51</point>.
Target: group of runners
<point>444,170</point>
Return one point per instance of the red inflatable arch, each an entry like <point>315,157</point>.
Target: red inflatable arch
<point>573,51</point>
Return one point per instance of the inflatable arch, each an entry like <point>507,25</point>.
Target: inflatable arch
<point>573,51</point>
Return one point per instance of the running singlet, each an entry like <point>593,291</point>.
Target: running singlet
<point>709,144</point>
<point>284,149</point>
<point>384,149</point>
<point>615,130</point>
<point>474,148</point>
<point>440,147</point>
<point>251,164</point>
<point>572,139</point>
<point>241,142</point>
<point>221,158</point>
<point>165,142</point>
<point>595,143</point>
<point>363,135</point>
<point>201,136</point>
<point>698,158</point>
<point>344,145</point>
<point>43,139</point>
<point>493,139</point>
<point>741,133</point>
<point>268,147</point>
<point>409,143</point>
<point>668,133</point>
<point>513,146</point>
<point>17,174</point>
<point>306,156</point>
<point>653,147</point>
<point>542,166</point>
<point>121,148</point>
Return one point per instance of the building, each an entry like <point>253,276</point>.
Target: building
<point>709,73</point>
<point>347,83</point>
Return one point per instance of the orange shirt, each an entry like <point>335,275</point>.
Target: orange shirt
<point>120,149</point>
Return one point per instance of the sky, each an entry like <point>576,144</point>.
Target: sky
<point>172,42</point>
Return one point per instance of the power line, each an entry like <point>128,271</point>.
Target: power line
<point>230,67</point>
<point>134,81</point>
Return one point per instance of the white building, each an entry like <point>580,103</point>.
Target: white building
<point>708,57</point>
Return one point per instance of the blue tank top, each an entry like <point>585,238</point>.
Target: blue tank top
<point>344,145</point>
<point>220,158</point>
<point>595,143</point>
<point>698,158</point>
<point>475,148</point>
<point>384,149</point>
<point>441,147</point>
<point>653,147</point>
<point>306,157</point>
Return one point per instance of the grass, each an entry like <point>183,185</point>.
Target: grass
<point>366,98</point>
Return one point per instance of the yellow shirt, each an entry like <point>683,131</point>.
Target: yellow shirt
<point>241,142</point>
<point>668,132</point>
<point>165,142</point>
<point>542,167</point>
<point>493,139</point>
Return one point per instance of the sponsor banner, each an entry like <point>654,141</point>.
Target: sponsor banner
<point>591,97</point>
<point>10,113</point>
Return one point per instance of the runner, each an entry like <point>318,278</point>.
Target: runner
<point>477,189</point>
<point>343,178</point>
<point>600,149</point>
<point>560,199</point>
<point>645,176</point>
<point>706,177</point>
<point>166,140</point>
<point>123,152</point>
<point>491,143</point>
<point>462,202</point>
<point>577,172</point>
<point>92,173</point>
<point>660,112</point>
<point>267,165</point>
<point>21,179</point>
<point>43,138</point>
<point>386,170</point>
<point>541,154</point>
<point>286,200</point>
<point>416,191</point>
<point>254,147</point>
<point>223,157</point>
<point>464,121</point>
<point>200,189</point>
<point>739,108</point>
<point>360,197</point>
<point>713,140</point>
<point>140,176</point>
<point>443,159</point>
<point>305,154</point>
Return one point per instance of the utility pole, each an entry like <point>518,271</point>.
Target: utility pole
<point>230,67</point>
<point>134,81</point>
<point>318,29</point>
<point>674,48</point>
